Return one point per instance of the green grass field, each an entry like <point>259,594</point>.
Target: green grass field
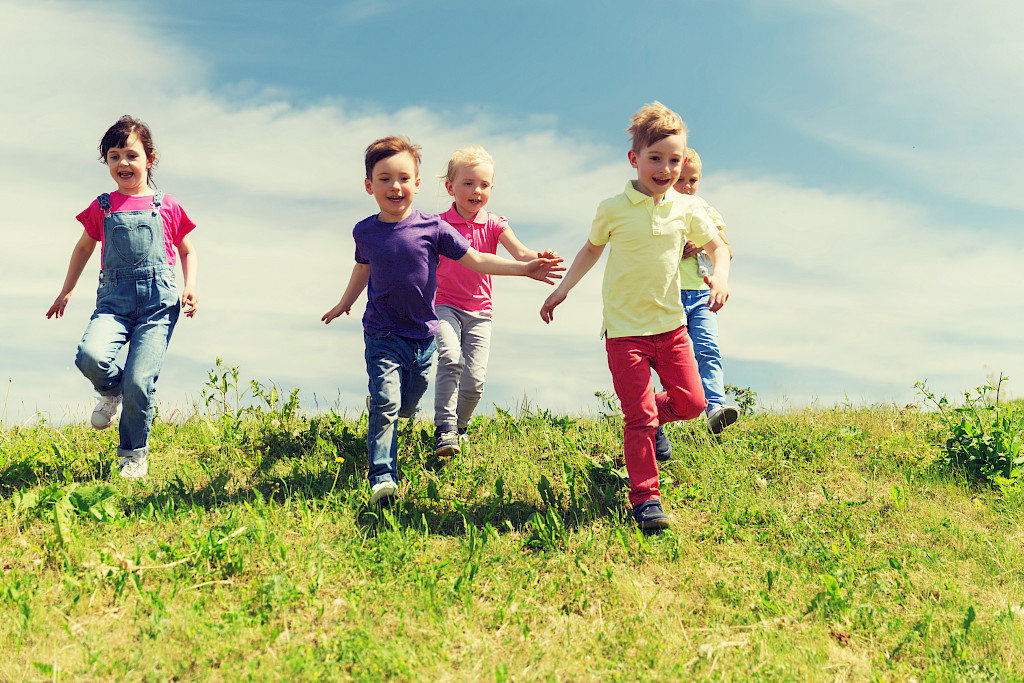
<point>821,545</point>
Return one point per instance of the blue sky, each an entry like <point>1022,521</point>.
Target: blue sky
<point>867,156</point>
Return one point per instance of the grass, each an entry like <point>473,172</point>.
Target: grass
<point>828,544</point>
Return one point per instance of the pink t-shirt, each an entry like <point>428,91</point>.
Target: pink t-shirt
<point>176,223</point>
<point>457,285</point>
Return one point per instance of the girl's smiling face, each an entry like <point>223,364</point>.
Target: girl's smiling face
<point>129,167</point>
<point>471,188</point>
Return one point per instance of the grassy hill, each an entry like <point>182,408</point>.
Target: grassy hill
<point>831,544</point>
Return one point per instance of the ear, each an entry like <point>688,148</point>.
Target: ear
<point>369,185</point>
<point>448,186</point>
<point>631,155</point>
<point>417,184</point>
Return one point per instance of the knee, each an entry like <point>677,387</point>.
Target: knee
<point>89,359</point>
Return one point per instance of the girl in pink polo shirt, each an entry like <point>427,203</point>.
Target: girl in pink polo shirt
<point>463,301</point>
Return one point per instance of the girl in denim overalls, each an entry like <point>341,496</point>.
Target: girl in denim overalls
<point>137,301</point>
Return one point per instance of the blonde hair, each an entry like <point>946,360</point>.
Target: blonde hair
<point>467,156</point>
<point>652,123</point>
<point>693,158</point>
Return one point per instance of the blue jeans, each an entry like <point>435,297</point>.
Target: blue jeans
<point>702,326</point>
<point>138,307</point>
<point>398,370</point>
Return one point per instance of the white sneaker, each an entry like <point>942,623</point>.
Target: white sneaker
<point>134,467</point>
<point>721,417</point>
<point>106,411</point>
<point>382,490</point>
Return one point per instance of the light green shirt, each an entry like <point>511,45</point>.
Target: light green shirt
<point>689,269</point>
<point>641,280</point>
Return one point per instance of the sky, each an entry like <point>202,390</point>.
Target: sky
<point>867,156</point>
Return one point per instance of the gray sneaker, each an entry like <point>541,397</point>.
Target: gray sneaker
<point>721,417</point>
<point>106,411</point>
<point>463,436</point>
<point>446,441</point>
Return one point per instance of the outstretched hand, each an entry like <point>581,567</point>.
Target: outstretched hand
<point>58,306</point>
<point>719,293</point>
<point>545,269</point>
<point>547,311</point>
<point>335,312</point>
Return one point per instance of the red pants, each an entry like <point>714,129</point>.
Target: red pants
<point>631,360</point>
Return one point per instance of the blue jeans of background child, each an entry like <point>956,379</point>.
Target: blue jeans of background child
<point>702,326</point>
<point>398,369</point>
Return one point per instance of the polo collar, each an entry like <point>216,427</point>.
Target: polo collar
<point>637,197</point>
<point>480,218</point>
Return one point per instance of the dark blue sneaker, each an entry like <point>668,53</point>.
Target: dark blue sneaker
<point>662,446</point>
<point>649,515</point>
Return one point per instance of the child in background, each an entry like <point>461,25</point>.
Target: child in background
<point>463,300</point>
<point>644,320</point>
<point>137,302</point>
<point>397,251</point>
<point>701,321</point>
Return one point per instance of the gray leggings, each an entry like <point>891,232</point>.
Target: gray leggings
<point>463,345</point>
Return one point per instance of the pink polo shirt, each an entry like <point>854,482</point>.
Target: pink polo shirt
<point>457,285</point>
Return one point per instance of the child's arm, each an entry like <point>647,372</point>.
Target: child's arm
<point>79,257</point>
<point>190,268</point>
<point>518,250</point>
<point>718,281</point>
<point>690,249</point>
<point>581,265</point>
<point>356,284</point>
<point>543,269</point>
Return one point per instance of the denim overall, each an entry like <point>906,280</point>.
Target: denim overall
<point>136,304</point>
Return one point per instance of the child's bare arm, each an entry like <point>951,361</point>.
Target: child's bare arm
<point>690,249</point>
<point>542,269</point>
<point>190,269</point>
<point>581,265</point>
<point>718,281</point>
<point>79,257</point>
<point>356,284</point>
<point>519,251</point>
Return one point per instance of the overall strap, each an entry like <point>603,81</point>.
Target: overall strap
<point>104,200</point>
<point>157,199</point>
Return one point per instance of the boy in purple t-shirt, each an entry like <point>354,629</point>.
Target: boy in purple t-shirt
<point>397,252</point>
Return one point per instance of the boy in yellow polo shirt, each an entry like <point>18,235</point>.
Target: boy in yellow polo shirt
<point>644,319</point>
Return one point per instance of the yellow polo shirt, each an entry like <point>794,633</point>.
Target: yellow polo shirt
<point>641,280</point>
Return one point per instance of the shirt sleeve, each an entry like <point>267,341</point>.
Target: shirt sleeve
<point>449,242</point>
<point>181,224</point>
<point>92,220</point>
<point>700,228</point>
<point>600,229</point>
<point>716,217</point>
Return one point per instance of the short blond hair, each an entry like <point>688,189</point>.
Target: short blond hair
<point>652,123</point>
<point>693,158</point>
<point>472,155</point>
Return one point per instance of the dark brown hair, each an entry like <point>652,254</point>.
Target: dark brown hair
<point>385,148</point>
<point>117,136</point>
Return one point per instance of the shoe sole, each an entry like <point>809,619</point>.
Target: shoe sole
<point>654,525</point>
<point>383,494</point>
<point>447,450</point>
<point>727,417</point>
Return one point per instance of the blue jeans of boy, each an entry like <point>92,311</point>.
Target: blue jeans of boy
<point>702,326</point>
<point>398,369</point>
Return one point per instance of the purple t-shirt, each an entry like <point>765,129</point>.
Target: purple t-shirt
<point>403,259</point>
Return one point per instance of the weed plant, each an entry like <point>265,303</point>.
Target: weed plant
<point>829,544</point>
